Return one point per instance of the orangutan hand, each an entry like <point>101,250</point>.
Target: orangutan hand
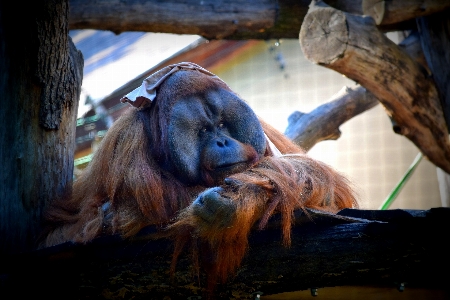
<point>214,210</point>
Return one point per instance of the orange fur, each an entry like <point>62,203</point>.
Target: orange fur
<point>123,189</point>
<point>282,142</point>
<point>121,172</point>
<point>274,185</point>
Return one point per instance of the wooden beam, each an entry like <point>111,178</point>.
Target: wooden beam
<point>413,46</point>
<point>435,37</point>
<point>356,247</point>
<point>371,8</point>
<point>236,19</point>
<point>352,45</point>
<point>211,19</point>
<point>396,11</point>
<point>307,129</point>
<point>350,6</point>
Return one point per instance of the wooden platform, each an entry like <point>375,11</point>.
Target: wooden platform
<point>358,250</point>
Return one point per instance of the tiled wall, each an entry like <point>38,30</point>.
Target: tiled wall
<point>368,152</point>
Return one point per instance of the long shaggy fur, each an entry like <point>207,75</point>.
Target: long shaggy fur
<point>274,185</point>
<point>123,189</point>
<point>122,173</point>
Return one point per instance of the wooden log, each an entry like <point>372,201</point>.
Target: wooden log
<point>356,7</point>
<point>307,129</point>
<point>396,11</point>
<point>356,247</point>
<point>413,46</point>
<point>41,74</point>
<point>323,122</point>
<point>353,46</point>
<point>435,37</point>
<point>350,6</point>
<point>235,19</point>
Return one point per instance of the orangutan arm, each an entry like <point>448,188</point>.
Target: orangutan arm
<point>275,185</point>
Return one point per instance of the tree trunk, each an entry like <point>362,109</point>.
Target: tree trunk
<point>435,37</point>
<point>353,46</point>
<point>434,33</point>
<point>40,80</point>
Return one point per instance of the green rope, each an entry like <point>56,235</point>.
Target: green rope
<point>82,160</point>
<point>402,182</point>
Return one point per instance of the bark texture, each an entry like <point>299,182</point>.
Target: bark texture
<point>307,129</point>
<point>323,123</point>
<point>435,37</point>
<point>237,19</point>
<point>40,79</point>
<point>211,19</point>
<point>384,249</point>
<point>396,11</point>
<point>353,46</point>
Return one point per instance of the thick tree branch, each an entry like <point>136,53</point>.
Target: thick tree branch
<point>356,7</point>
<point>413,46</point>
<point>435,37</point>
<point>323,122</point>
<point>235,19</point>
<point>396,11</point>
<point>356,247</point>
<point>353,46</point>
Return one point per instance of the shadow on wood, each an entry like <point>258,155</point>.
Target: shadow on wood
<point>356,247</point>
